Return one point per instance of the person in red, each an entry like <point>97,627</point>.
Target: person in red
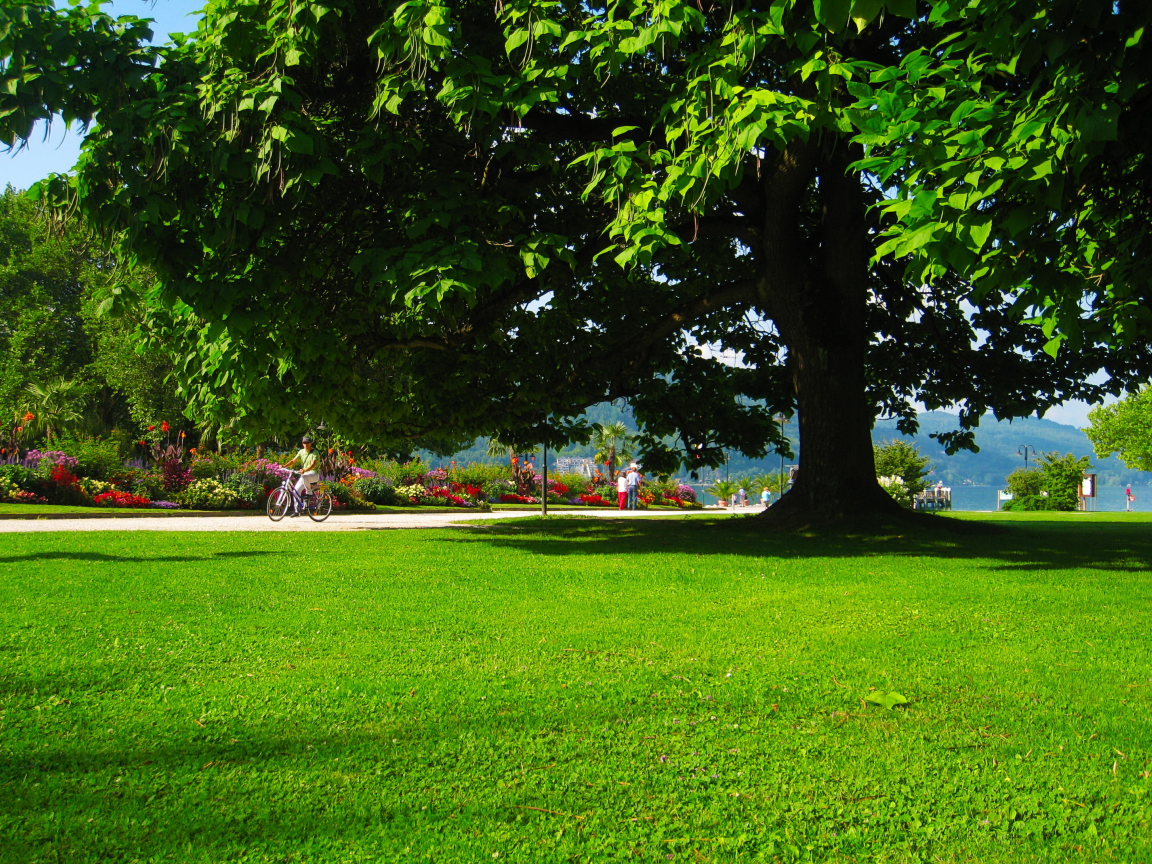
<point>1128,499</point>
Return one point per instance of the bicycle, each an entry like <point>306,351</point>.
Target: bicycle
<point>318,505</point>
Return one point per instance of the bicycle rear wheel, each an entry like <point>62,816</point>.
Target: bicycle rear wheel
<point>278,503</point>
<point>319,511</point>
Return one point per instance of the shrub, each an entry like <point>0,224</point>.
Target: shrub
<point>209,494</point>
<point>21,477</point>
<point>93,487</point>
<point>149,484</point>
<point>410,494</point>
<point>902,460</point>
<point>1054,486</point>
<point>116,498</point>
<point>95,458</point>
<point>898,489</point>
<point>587,498</point>
<point>377,490</point>
<point>248,490</point>
<point>177,478</point>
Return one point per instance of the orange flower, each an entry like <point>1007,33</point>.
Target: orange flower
<point>29,416</point>
<point>329,450</point>
<point>181,434</point>
<point>191,450</point>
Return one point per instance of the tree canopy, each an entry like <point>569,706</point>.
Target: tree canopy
<point>1124,428</point>
<point>429,219</point>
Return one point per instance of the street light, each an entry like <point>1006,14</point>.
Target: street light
<point>781,419</point>
<point>1023,451</point>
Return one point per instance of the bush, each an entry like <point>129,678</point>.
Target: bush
<point>1054,486</point>
<point>377,490</point>
<point>96,458</point>
<point>149,484</point>
<point>116,498</point>
<point>902,460</point>
<point>209,494</point>
<point>177,478</point>
<point>248,490</point>
<point>898,489</point>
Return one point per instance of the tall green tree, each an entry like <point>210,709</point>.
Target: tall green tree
<point>1124,428</point>
<point>54,280</point>
<point>420,218</point>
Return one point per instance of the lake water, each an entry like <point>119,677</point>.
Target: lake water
<point>1109,498</point>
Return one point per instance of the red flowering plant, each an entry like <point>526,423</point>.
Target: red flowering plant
<point>512,498</point>
<point>595,500</point>
<point>116,498</point>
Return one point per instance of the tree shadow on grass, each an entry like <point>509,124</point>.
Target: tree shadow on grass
<point>1031,545</point>
<point>217,798</point>
<point>135,559</point>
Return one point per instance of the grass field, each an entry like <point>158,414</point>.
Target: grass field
<point>578,690</point>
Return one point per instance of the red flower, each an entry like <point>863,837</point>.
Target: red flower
<point>150,428</point>
<point>164,427</point>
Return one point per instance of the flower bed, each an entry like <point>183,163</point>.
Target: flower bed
<point>116,498</point>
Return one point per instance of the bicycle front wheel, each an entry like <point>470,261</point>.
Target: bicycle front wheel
<point>319,511</point>
<point>278,503</point>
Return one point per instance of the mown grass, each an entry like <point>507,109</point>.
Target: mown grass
<point>578,689</point>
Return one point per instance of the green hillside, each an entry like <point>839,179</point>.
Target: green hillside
<point>998,441</point>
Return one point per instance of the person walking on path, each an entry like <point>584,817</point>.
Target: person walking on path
<point>1128,499</point>
<point>765,497</point>
<point>633,478</point>
<point>743,493</point>
<point>622,491</point>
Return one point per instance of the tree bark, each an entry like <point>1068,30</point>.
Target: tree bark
<point>815,289</point>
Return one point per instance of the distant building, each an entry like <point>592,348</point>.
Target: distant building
<point>574,465</point>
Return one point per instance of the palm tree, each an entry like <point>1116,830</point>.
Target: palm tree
<point>613,445</point>
<point>723,489</point>
<point>777,483</point>
<point>497,449</point>
<point>57,406</point>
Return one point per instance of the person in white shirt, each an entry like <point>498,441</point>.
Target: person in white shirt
<point>622,490</point>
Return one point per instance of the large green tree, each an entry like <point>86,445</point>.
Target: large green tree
<point>58,355</point>
<point>423,218</point>
<point>1125,429</point>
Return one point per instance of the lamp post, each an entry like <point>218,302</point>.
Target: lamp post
<point>781,419</point>
<point>1023,451</point>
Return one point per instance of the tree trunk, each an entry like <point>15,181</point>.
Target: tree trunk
<point>815,288</point>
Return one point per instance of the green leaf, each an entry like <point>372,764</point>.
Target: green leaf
<point>903,8</point>
<point>515,41</point>
<point>886,700</point>
<point>864,12</point>
<point>833,14</point>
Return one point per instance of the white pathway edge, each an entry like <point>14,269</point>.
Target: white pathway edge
<point>336,522</point>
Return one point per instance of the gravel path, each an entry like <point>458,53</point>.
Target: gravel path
<point>336,522</point>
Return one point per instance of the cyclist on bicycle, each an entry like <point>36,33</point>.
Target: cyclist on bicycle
<point>309,469</point>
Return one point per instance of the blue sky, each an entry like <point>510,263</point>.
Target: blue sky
<point>58,152</point>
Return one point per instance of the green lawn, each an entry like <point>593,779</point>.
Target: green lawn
<point>578,690</point>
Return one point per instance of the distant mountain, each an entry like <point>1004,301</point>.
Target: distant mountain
<point>998,441</point>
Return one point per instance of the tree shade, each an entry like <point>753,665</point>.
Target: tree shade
<point>423,219</point>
